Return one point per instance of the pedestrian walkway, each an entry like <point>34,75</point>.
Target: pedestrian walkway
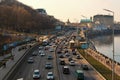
<point>11,62</point>
<point>4,56</point>
<point>104,60</point>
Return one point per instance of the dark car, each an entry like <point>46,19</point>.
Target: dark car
<point>66,51</point>
<point>61,56</point>
<point>74,52</point>
<point>62,62</point>
<point>59,51</point>
<point>48,65</point>
<point>66,70</point>
<point>70,59</point>
<point>34,54</point>
<point>49,57</point>
<point>84,67</point>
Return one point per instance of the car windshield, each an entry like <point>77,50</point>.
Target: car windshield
<point>36,73</point>
<point>48,64</point>
<point>50,74</point>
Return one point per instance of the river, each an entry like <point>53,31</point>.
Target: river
<point>104,45</point>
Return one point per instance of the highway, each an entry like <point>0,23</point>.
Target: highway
<point>26,69</point>
<point>90,74</point>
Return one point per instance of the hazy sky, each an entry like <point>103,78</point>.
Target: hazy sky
<point>73,9</point>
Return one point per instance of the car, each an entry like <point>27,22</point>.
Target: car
<point>74,52</point>
<point>85,67</point>
<point>42,54</point>
<point>72,63</point>
<point>40,51</point>
<point>61,56</point>
<point>70,59</point>
<point>66,51</point>
<point>59,51</point>
<point>20,79</point>
<point>73,49</point>
<point>30,60</point>
<point>49,57</point>
<point>50,76</point>
<point>40,47</point>
<point>62,62</point>
<point>67,54</point>
<point>34,54</point>
<point>48,65</point>
<point>54,45</point>
<point>78,56</point>
<point>36,74</point>
<point>47,47</point>
<point>51,50</point>
<point>66,70</point>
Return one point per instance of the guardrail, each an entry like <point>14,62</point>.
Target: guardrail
<point>13,70</point>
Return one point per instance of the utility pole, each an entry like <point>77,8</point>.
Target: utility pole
<point>113,66</point>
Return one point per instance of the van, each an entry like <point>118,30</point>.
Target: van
<point>79,74</point>
<point>66,70</point>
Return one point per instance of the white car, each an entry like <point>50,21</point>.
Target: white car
<point>50,76</point>
<point>36,74</point>
<point>42,54</point>
<point>20,79</point>
<point>72,63</point>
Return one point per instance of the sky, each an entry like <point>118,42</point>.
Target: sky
<point>74,10</point>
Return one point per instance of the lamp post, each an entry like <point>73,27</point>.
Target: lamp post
<point>113,67</point>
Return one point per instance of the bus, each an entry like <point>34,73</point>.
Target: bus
<point>79,74</point>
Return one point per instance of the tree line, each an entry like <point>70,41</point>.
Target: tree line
<point>19,17</point>
<point>16,16</point>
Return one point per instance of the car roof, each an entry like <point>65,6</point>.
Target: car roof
<point>79,71</point>
<point>72,61</point>
<point>65,66</point>
<point>20,79</point>
<point>48,62</point>
<point>50,73</point>
<point>36,70</point>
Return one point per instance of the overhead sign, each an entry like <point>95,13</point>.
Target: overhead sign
<point>84,45</point>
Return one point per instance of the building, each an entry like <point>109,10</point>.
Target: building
<point>86,23</point>
<point>42,11</point>
<point>106,20</point>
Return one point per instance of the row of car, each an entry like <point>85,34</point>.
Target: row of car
<point>42,51</point>
<point>37,75</point>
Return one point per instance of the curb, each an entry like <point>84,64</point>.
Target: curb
<point>93,68</point>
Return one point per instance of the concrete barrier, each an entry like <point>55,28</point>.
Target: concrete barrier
<point>13,70</point>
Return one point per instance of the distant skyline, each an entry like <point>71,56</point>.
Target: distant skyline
<point>73,9</point>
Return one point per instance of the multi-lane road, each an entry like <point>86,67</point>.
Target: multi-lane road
<point>26,69</point>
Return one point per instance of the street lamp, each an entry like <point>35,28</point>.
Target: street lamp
<point>113,67</point>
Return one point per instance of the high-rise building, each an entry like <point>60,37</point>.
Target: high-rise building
<point>106,20</point>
